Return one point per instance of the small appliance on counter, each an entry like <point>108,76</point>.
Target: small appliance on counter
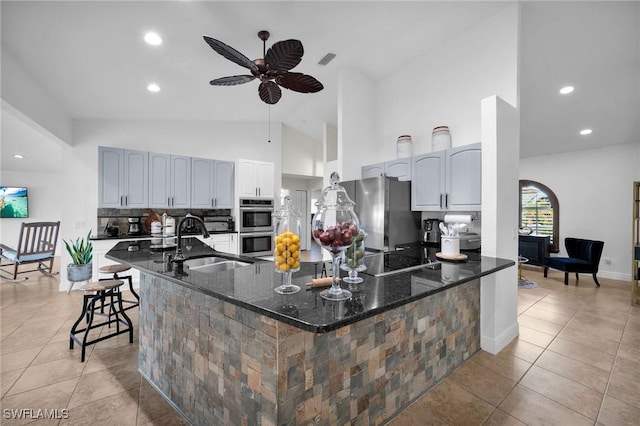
<point>432,234</point>
<point>135,227</point>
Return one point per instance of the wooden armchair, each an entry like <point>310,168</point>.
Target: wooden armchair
<point>583,257</point>
<point>36,244</point>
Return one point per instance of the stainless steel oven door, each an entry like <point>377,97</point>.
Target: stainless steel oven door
<point>256,219</point>
<point>256,244</point>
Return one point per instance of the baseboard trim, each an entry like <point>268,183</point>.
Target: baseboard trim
<point>495,345</point>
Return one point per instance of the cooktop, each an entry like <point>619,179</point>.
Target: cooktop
<point>400,260</point>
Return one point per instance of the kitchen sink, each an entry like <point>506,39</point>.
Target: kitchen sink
<point>213,264</point>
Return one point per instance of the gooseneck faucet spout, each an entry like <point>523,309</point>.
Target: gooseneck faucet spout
<point>179,256</point>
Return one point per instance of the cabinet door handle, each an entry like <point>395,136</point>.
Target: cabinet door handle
<point>440,200</point>
<point>126,200</point>
<point>446,200</point>
<point>169,201</point>
<point>121,200</point>
<point>215,202</point>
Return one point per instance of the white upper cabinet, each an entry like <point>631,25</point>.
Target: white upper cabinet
<point>256,179</point>
<point>448,180</point>
<point>212,183</point>
<point>123,178</point>
<point>169,181</point>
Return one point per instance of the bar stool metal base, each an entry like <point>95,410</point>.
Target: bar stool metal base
<point>115,270</point>
<point>103,289</point>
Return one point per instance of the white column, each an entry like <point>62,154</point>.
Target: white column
<point>500,128</point>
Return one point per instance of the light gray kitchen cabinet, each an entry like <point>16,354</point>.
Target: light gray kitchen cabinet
<point>212,183</point>
<point>373,170</point>
<point>256,179</point>
<point>400,168</point>
<point>448,180</point>
<point>123,180</point>
<point>169,181</point>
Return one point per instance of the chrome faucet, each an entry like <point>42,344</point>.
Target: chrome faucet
<point>179,256</point>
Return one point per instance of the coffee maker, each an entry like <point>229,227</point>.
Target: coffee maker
<point>134,226</point>
<point>431,229</point>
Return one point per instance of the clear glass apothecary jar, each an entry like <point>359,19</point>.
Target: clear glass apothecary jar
<point>286,252</point>
<point>335,227</point>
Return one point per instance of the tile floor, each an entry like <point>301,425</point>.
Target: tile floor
<point>575,362</point>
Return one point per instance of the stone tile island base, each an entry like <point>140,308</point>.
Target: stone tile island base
<point>221,364</point>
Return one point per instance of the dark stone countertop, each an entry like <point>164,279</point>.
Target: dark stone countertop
<point>252,286</point>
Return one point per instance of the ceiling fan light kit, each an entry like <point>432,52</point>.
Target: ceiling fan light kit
<point>273,69</point>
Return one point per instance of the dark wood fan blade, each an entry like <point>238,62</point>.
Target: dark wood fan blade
<point>284,55</point>
<point>269,92</point>
<point>230,53</point>
<point>233,80</point>
<point>299,82</point>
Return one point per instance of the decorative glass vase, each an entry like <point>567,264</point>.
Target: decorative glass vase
<point>354,259</point>
<point>286,254</point>
<point>335,227</point>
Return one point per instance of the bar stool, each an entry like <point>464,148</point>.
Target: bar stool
<point>116,269</point>
<point>98,291</point>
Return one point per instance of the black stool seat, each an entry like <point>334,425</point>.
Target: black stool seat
<point>116,269</point>
<point>99,291</point>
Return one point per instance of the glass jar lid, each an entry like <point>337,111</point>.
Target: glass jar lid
<point>335,196</point>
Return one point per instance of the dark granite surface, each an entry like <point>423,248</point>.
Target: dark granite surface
<point>252,286</point>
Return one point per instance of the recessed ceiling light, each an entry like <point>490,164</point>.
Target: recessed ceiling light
<point>19,156</point>
<point>153,87</point>
<point>153,38</point>
<point>566,90</point>
<point>585,132</point>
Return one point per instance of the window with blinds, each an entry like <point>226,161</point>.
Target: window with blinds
<point>539,211</point>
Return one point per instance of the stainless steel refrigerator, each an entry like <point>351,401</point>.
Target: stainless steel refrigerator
<point>383,205</point>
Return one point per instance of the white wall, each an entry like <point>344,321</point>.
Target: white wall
<point>594,192</point>
<point>445,87</point>
<point>301,155</point>
<point>45,192</point>
<point>356,124</point>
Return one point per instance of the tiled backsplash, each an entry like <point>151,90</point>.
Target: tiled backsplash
<point>119,217</point>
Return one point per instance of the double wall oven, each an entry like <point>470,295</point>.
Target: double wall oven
<point>256,227</point>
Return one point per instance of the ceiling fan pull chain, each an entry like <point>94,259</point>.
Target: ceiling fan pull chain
<point>269,140</point>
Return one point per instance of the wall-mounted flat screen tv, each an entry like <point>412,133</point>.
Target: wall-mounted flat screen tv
<point>14,202</point>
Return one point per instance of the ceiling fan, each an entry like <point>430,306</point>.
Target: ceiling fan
<point>272,69</point>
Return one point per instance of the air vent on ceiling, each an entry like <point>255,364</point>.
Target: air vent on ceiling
<point>327,58</point>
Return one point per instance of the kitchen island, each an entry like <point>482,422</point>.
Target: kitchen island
<point>224,348</point>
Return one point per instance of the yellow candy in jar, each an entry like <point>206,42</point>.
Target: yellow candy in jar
<point>287,251</point>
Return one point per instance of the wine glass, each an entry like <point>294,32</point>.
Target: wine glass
<point>354,259</point>
<point>286,254</point>
<point>335,227</point>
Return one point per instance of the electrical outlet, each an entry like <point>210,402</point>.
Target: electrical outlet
<point>607,261</point>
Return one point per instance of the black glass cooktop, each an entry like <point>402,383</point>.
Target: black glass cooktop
<point>401,260</point>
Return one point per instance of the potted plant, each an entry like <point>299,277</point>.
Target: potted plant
<point>81,252</point>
